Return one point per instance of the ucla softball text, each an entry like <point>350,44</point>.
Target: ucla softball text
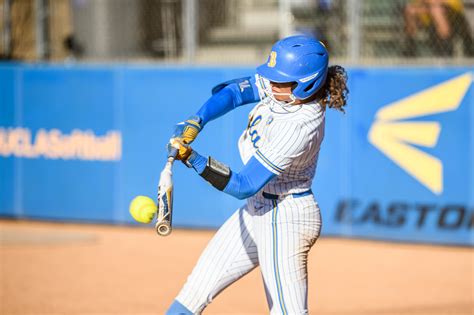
<point>53,144</point>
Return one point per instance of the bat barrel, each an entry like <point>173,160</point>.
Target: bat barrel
<point>165,200</point>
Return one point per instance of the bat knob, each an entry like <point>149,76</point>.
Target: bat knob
<point>163,228</point>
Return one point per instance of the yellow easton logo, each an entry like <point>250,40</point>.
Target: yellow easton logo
<point>272,60</point>
<point>395,137</point>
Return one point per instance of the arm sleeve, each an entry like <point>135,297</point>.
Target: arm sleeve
<point>244,184</point>
<point>228,96</point>
<point>286,142</point>
<point>249,181</point>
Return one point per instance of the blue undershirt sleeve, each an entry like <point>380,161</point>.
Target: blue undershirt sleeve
<point>251,178</point>
<point>234,94</point>
<point>198,162</point>
<point>244,184</point>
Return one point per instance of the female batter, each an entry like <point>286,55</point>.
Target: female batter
<point>281,220</point>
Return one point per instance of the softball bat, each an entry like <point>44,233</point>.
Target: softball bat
<point>165,200</point>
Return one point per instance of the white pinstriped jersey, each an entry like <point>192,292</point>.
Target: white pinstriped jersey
<point>286,143</point>
<point>275,234</point>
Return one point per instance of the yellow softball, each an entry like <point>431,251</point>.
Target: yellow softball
<point>142,209</point>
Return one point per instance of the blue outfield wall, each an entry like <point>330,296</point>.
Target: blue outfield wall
<point>78,142</point>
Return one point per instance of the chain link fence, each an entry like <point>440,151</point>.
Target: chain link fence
<point>236,31</point>
<point>417,29</point>
<point>325,20</point>
<point>390,31</point>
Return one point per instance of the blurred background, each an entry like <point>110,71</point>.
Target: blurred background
<point>369,32</point>
<point>91,90</point>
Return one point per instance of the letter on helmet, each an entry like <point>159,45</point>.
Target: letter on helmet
<point>299,59</point>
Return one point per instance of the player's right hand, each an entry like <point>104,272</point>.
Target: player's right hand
<point>180,150</point>
<point>187,130</point>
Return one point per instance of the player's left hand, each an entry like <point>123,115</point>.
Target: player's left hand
<point>180,150</point>
<point>188,130</point>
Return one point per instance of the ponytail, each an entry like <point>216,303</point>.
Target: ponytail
<point>334,92</point>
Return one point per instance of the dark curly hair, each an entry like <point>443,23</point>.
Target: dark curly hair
<point>334,92</point>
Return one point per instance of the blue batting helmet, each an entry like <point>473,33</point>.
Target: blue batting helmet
<point>299,59</point>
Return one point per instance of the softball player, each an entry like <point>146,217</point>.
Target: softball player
<point>281,220</point>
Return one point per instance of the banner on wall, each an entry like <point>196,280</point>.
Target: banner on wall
<point>78,143</point>
<point>410,158</point>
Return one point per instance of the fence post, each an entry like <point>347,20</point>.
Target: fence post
<point>284,8</point>
<point>190,30</point>
<point>353,14</point>
<point>42,29</point>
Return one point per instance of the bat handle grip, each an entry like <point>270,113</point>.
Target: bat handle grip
<point>172,153</point>
<point>169,162</point>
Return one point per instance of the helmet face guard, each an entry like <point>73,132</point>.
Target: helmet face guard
<point>300,59</point>
<point>268,94</point>
<point>266,86</point>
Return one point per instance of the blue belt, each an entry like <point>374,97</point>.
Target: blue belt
<point>296,195</point>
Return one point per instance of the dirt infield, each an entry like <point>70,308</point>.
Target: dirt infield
<point>52,268</point>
